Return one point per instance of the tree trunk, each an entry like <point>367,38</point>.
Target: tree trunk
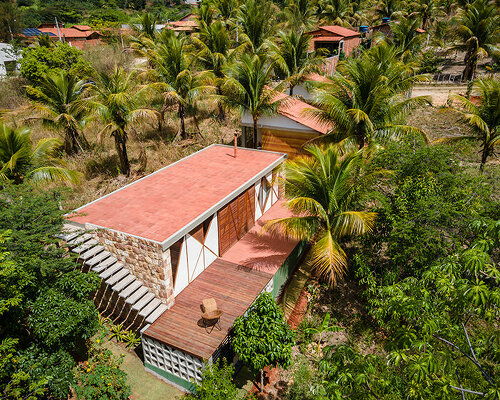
<point>291,90</point>
<point>68,143</point>
<point>121,149</point>
<point>182,114</point>
<point>470,62</point>
<point>255,121</point>
<point>262,380</point>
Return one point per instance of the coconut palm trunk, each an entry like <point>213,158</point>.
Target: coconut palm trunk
<point>484,156</point>
<point>470,64</point>
<point>121,150</point>
<point>255,122</point>
<point>222,113</point>
<point>182,114</point>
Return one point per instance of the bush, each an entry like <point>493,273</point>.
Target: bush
<point>37,61</point>
<point>101,378</point>
<point>216,383</point>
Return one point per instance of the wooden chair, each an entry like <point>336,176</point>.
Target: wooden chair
<point>211,314</point>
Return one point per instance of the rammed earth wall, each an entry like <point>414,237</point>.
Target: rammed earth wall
<point>145,259</point>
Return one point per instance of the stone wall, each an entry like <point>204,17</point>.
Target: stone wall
<point>145,260</point>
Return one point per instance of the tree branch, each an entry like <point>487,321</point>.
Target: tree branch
<point>467,391</point>
<point>460,383</point>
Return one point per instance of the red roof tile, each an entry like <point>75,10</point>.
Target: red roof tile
<point>161,204</point>
<point>82,27</point>
<point>300,112</point>
<point>338,30</point>
<point>68,33</point>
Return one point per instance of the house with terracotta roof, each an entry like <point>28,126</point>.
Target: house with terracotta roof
<point>303,90</point>
<point>191,231</point>
<point>80,36</point>
<point>287,131</point>
<point>334,39</point>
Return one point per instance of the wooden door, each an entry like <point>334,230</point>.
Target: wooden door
<point>235,219</point>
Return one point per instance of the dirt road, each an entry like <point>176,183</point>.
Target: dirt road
<point>438,93</point>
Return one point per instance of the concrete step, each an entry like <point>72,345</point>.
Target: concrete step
<point>118,287</point>
<point>104,264</point>
<point>156,314</point>
<point>122,273</point>
<point>80,239</point>
<point>150,308</point>
<point>129,290</point>
<point>69,235</point>
<point>97,258</point>
<point>137,295</point>
<point>143,302</point>
<point>91,253</point>
<point>111,270</point>
<point>85,246</point>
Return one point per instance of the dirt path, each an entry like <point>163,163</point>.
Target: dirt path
<point>438,93</point>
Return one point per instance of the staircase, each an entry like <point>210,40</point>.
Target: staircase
<point>121,296</point>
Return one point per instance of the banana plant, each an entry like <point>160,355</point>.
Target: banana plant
<point>323,327</point>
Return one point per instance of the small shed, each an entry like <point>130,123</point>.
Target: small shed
<point>286,132</point>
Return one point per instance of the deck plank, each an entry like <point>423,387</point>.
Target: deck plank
<point>233,287</point>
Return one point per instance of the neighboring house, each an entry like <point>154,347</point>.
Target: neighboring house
<point>80,36</point>
<point>286,132</point>
<point>188,232</point>
<point>187,24</point>
<point>8,59</point>
<point>335,39</point>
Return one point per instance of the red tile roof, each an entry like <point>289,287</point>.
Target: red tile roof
<point>337,30</point>
<point>68,33</point>
<point>300,112</point>
<point>163,203</point>
<point>327,39</point>
<point>82,27</point>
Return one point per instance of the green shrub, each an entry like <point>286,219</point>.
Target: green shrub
<point>101,378</point>
<point>216,383</point>
<point>37,61</point>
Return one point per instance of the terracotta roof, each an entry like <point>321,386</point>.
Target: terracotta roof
<point>164,203</point>
<point>189,23</point>
<point>338,30</point>
<point>68,33</point>
<point>317,78</point>
<point>300,112</point>
<point>82,27</point>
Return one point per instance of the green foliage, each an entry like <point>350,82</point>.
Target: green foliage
<point>45,305</point>
<point>216,383</point>
<point>323,327</point>
<point>101,378</point>
<point>37,61</point>
<point>430,62</point>
<point>21,162</point>
<point>262,337</point>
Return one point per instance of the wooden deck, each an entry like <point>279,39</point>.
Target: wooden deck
<point>233,287</point>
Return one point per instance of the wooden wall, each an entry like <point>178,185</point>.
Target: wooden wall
<point>236,219</point>
<point>289,142</point>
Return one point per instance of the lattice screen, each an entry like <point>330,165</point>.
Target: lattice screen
<point>172,360</point>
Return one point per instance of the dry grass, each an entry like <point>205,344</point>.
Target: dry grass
<point>12,93</point>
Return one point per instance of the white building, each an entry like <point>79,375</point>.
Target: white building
<point>8,55</point>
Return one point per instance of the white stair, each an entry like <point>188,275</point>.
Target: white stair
<point>115,275</point>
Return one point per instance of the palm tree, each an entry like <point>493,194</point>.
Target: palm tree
<point>366,99</point>
<point>336,12</point>
<point>293,60</point>
<point>172,63</point>
<point>300,14</point>
<point>484,118</point>
<point>117,101</point>
<point>387,8</point>
<point>478,29</point>
<point>323,190</point>
<point>406,37</point>
<point>256,19</point>
<point>226,9</point>
<point>215,51</point>
<point>58,101</point>
<point>20,162</point>
<point>427,11</point>
<point>147,26</point>
<point>247,90</point>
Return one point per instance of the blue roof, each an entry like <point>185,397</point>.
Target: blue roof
<point>35,32</point>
